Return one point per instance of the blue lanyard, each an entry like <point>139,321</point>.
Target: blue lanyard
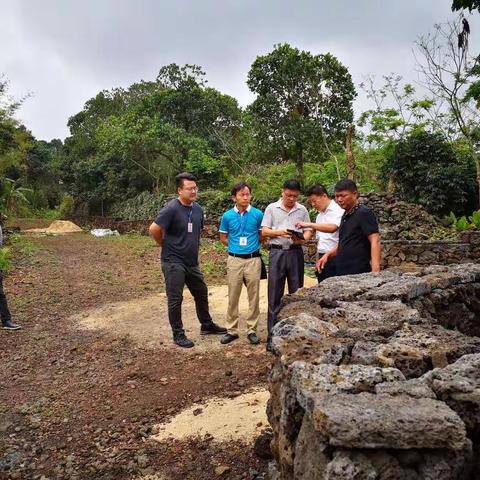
<point>190,213</point>
<point>242,222</point>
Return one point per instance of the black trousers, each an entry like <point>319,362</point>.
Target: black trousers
<point>329,270</point>
<point>4,311</point>
<point>284,265</point>
<point>177,275</point>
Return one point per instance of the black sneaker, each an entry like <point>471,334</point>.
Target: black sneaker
<point>212,329</point>
<point>227,338</point>
<point>183,341</point>
<point>253,339</point>
<point>9,325</point>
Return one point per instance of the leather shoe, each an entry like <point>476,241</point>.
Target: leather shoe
<point>212,329</point>
<point>253,339</point>
<point>227,338</point>
<point>183,341</point>
<point>9,325</point>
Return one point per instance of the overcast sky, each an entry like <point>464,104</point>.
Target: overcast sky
<point>64,52</point>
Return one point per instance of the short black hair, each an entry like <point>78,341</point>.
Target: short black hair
<point>240,186</point>
<point>316,189</point>
<point>346,184</point>
<point>292,184</point>
<point>183,176</point>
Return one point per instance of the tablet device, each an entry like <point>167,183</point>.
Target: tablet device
<point>296,233</point>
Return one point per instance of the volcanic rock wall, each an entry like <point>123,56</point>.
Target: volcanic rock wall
<point>377,376</point>
<point>401,220</point>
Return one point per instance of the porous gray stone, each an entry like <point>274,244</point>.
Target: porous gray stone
<point>413,388</point>
<point>311,453</point>
<point>458,385</point>
<point>313,381</point>
<point>380,379</point>
<point>346,465</point>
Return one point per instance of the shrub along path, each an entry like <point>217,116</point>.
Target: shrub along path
<point>80,403</point>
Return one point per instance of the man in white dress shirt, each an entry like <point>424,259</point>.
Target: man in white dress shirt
<point>326,226</point>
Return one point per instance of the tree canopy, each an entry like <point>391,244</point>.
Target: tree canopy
<point>303,104</point>
<point>464,4</point>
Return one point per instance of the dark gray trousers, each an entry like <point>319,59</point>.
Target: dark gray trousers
<point>4,311</point>
<point>330,270</point>
<point>283,265</point>
<point>177,275</point>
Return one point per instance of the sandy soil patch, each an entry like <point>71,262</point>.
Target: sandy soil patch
<point>224,419</point>
<point>145,320</point>
<point>57,227</point>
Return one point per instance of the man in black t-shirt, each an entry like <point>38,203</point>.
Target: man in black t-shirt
<point>177,232</point>
<point>358,249</point>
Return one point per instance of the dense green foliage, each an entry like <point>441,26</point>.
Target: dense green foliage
<point>127,142</point>
<point>303,104</point>
<point>427,170</point>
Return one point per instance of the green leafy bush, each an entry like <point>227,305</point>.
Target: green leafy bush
<point>5,254</point>
<point>462,224</point>
<point>144,206</point>
<point>475,219</point>
<point>426,169</point>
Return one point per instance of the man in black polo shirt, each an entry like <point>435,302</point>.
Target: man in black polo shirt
<point>358,249</point>
<point>176,231</point>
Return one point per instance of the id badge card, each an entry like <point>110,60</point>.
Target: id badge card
<point>243,241</point>
<point>190,227</point>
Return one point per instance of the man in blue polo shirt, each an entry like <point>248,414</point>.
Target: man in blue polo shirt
<point>240,231</point>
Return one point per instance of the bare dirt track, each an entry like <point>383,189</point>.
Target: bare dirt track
<point>81,402</point>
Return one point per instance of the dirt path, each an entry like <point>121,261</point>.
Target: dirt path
<point>145,320</point>
<point>78,402</point>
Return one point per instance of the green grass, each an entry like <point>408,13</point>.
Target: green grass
<point>22,245</point>
<point>48,213</point>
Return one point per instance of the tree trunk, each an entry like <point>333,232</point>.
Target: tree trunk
<point>476,158</point>
<point>351,174</point>
<point>299,161</point>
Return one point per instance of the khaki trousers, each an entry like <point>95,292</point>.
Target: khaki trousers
<point>239,269</point>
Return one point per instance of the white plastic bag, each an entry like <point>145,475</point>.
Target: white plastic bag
<point>103,232</point>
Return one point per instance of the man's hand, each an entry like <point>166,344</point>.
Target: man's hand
<point>284,234</point>
<point>321,262</point>
<point>302,225</point>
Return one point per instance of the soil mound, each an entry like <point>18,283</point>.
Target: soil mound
<point>57,226</point>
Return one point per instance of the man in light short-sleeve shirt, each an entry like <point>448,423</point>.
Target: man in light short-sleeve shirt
<point>240,230</point>
<point>326,226</point>
<point>286,253</point>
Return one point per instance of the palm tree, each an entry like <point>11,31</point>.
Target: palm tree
<point>12,196</point>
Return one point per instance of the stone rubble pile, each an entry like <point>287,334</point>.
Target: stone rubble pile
<point>401,220</point>
<point>377,376</point>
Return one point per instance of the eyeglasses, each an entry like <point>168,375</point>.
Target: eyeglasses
<point>192,189</point>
